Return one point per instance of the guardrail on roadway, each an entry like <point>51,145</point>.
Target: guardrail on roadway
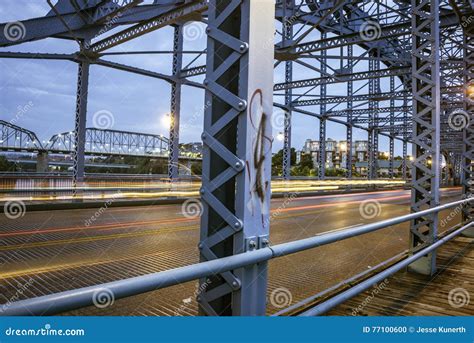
<point>73,299</point>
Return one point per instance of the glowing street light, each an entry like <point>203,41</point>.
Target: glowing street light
<point>470,90</point>
<point>166,120</point>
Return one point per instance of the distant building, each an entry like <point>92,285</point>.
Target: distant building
<point>383,167</point>
<point>191,149</point>
<point>336,152</point>
<point>336,156</point>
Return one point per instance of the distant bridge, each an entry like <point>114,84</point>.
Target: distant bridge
<point>98,142</point>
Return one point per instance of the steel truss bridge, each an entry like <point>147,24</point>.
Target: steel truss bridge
<point>102,142</point>
<point>407,71</point>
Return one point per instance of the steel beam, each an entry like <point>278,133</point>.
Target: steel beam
<point>354,98</point>
<point>322,121</point>
<point>468,132</point>
<point>426,128</point>
<point>237,152</point>
<point>371,112</point>
<point>371,133</point>
<point>349,130</point>
<point>287,29</point>
<point>344,77</point>
<point>80,124</point>
<point>178,13</point>
<point>392,123</point>
<point>175,107</point>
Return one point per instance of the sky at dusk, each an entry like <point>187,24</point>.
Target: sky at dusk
<point>137,103</point>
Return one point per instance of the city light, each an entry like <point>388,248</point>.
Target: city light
<point>470,90</point>
<point>166,120</point>
<point>280,136</point>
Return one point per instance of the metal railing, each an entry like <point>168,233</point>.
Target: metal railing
<point>82,297</point>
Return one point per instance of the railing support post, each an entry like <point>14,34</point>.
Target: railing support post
<point>237,152</point>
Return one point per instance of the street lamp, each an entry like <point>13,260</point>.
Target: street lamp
<point>166,120</point>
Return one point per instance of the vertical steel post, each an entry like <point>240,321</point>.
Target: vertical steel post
<point>350,93</point>
<point>426,128</point>
<point>376,120</point>
<point>370,131</point>
<point>405,160</point>
<point>175,108</point>
<point>467,168</point>
<point>322,121</point>
<point>392,134</point>
<point>405,139</point>
<point>80,124</point>
<point>288,8</point>
<point>237,152</point>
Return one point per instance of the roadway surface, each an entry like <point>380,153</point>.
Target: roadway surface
<point>53,251</point>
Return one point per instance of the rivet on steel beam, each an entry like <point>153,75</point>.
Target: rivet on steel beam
<point>252,244</point>
<point>243,47</point>
<point>236,284</point>
<point>203,136</point>
<point>200,246</point>
<point>202,191</point>
<point>242,104</point>
<point>206,82</point>
<point>238,225</point>
<point>239,165</point>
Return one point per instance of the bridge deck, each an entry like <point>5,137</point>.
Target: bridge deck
<point>409,294</point>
